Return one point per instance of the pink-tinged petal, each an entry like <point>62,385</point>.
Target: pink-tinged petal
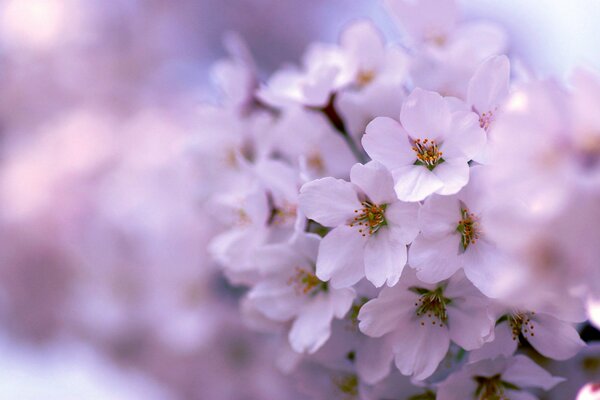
<point>329,201</point>
<point>276,300</point>
<point>419,349</point>
<point>306,245</point>
<point>435,259</point>
<point>466,139</point>
<point>554,338</point>
<point>454,174</point>
<point>403,222</point>
<point>425,115</point>
<point>274,258</point>
<point>439,215</point>
<point>341,257</point>
<point>489,85</point>
<point>374,359</point>
<point>383,314</point>
<point>365,45</point>
<point>385,258</point>
<point>387,142</point>
<point>375,181</point>
<point>484,267</point>
<point>341,301</point>
<point>458,386</point>
<point>477,41</point>
<point>523,372</point>
<point>312,328</point>
<point>469,323</point>
<point>415,182</point>
<point>502,345</point>
<point>425,19</point>
<point>519,395</point>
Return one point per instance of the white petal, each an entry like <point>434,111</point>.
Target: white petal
<point>519,395</point>
<point>489,85</point>
<point>469,322</point>
<point>312,328</point>
<point>276,300</point>
<point>385,258</point>
<point>415,182</point>
<point>329,201</point>
<point>374,359</point>
<point>403,221</point>
<point>524,372</point>
<point>375,181</point>
<point>434,259</point>
<point>484,267</point>
<point>387,142</point>
<point>419,349</point>
<point>454,175</point>
<point>457,386</point>
<point>341,300</point>
<point>466,139</point>
<point>425,114</point>
<point>439,215</point>
<point>502,345</point>
<point>554,338</point>
<point>341,257</point>
<point>363,41</point>
<point>382,314</point>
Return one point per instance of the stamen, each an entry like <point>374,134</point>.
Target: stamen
<point>521,324</point>
<point>370,219</point>
<point>486,119</point>
<point>468,227</point>
<point>364,77</point>
<point>347,384</point>
<point>492,388</point>
<point>433,304</point>
<point>428,153</point>
<point>306,282</point>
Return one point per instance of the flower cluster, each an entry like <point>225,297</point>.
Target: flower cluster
<point>415,218</point>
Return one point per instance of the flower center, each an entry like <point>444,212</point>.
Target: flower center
<point>306,282</point>
<point>468,227</point>
<point>486,119</point>
<point>428,153</point>
<point>432,303</point>
<point>492,388</point>
<point>280,214</point>
<point>364,77</point>
<point>520,323</point>
<point>370,219</point>
<point>347,384</point>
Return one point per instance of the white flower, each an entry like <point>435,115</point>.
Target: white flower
<point>423,318</point>
<point>498,379</point>
<point>291,291</point>
<point>371,227</point>
<point>430,151</point>
<point>453,236</point>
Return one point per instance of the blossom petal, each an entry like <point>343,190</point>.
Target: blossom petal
<point>341,257</point>
<point>502,345</point>
<point>385,258</point>
<point>403,221</point>
<point>524,372</point>
<point>434,259</point>
<point>439,215</point>
<point>382,314</point>
<point>554,338</point>
<point>454,174</point>
<point>387,142</point>
<point>329,201</point>
<point>483,266</point>
<point>489,85</point>
<point>415,182</point>
<point>374,359</point>
<point>419,349</point>
<point>425,115</point>
<point>312,328</point>
<point>375,181</point>
<point>467,138</point>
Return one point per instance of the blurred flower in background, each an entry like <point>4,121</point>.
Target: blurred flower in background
<point>108,185</point>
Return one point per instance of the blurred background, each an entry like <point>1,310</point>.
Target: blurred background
<point>106,290</point>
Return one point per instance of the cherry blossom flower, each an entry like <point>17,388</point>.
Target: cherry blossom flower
<point>500,378</point>
<point>371,227</point>
<point>290,290</point>
<point>423,318</point>
<point>430,151</point>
